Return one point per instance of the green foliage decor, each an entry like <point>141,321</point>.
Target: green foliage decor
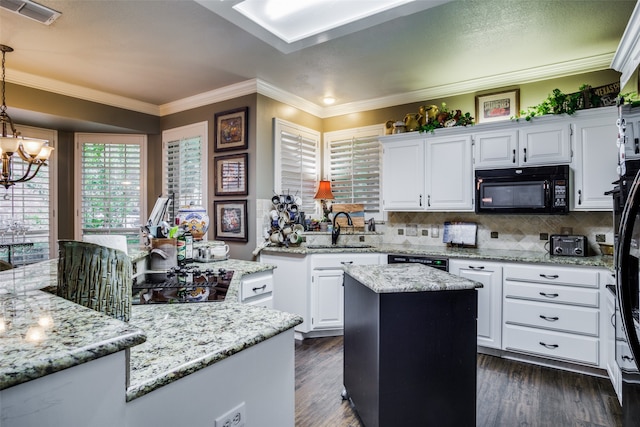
<point>447,118</point>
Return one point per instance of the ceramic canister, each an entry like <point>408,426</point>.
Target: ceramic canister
<point>194,218</point>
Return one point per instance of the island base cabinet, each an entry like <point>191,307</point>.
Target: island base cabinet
<point>90,395</point>
<point>410,358</point>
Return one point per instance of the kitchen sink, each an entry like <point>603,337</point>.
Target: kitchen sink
<point>340,246</point>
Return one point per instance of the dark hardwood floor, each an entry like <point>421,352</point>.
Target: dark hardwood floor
<point>509,393</point>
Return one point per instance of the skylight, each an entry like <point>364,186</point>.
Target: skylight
<point>293,20</point>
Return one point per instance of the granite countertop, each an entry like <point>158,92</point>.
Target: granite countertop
<point>161,336</point>
<point>605,261</point>
<point>395,278</point>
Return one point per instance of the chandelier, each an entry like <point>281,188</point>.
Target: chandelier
<point>35,152</point>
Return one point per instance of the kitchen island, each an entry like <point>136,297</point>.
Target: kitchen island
<point>410,345</point>
<point>80,367</point>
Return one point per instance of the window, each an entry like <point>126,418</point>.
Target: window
<point>354,159</point>
<point>27,210</point>
<point>297,163</point>
<point>184,165</point>
<point>110,191</point>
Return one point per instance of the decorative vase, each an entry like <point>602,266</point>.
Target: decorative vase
<point>195,219</point>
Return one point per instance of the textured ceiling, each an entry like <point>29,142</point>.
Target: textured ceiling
<point>158,52</point>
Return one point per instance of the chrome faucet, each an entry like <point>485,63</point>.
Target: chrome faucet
<point>335,233</point>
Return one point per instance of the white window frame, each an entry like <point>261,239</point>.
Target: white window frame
<point>185,132</point>
<point>107,138</point>
<point>308,185</point>
<point>52,165</point>
<point>374,131</point>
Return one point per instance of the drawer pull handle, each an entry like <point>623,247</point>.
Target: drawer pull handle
<point>346,262</point>
<point>544,294</point>
<point>476,267</point>
<point>550,346</point>
<point>549,276</point>
<point>613,320</point>
<point>260,288</point>
<point>627,358</point>
<point>550,319</point>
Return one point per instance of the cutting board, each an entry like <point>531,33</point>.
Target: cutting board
<point>355,211</point>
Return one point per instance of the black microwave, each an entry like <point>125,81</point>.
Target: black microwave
<point>530,190</point>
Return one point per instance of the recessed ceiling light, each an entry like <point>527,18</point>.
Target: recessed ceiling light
<point>293,20</point>
<point>328,100</point>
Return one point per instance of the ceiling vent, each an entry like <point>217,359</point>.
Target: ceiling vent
<point>31,10</point>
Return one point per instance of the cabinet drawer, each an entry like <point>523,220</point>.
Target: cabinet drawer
<point>552,294</point>
<point>323,261</point>
<point>552,316</point>
<point>552,275</point>
<point>258,285</point>
<point>556,345</point>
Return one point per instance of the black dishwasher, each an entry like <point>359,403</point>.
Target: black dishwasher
<point>440,263</point>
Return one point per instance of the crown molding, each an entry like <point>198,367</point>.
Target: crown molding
<point>627,56</point>
<point>583,65</point>
<point>75,91</point>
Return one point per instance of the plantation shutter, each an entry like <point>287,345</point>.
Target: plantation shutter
<point>184,166</point>
<point>111,184</point>
<point>297,165</point>
<point>26,209</point>
<point>354,160</point>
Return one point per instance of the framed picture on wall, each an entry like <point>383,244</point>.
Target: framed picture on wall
<point>230,220</point>
<point>231,130</point>
<point>496,107</point>
<point>231,175</point>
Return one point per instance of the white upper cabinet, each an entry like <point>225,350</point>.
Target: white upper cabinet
<point>544,143</point>
<point>449,173</point>
<point>496,149</point>
<point>529,144</point>
<point>403,172</point>
<point>596,159</point>
<point>427,173</point>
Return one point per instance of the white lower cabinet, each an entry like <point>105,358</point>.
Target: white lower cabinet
<point>553,312</point>
<point>613,370</point>
<point>311,286</point>
<point>257,289</point>
<point>489,297</point>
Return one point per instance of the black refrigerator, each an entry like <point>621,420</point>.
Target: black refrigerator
<point>627,262</point>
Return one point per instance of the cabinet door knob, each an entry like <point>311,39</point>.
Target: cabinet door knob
<point>513,159</point>
<point>428,199</point>
<point>525,154</point>
<point>549,319</point>
<point>579,197</point>
<point>421,200</point>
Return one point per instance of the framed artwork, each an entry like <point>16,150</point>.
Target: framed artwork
<point>497,106</point>
<point>231,130</point>
<point>231,175</point>
<point>230,220</point>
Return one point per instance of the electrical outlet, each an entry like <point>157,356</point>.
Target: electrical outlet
<point>425,233</point>
<point>361,238</point>
<point>412,230</point>
<point>400,231</point>
<point>233,418</point>
<point>601,238</point>
<point>544,236</point>
<point>494,234</point>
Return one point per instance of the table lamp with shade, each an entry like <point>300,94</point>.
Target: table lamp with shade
<point>323,194</point>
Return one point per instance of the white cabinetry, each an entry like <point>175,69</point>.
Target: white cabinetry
<point>542,142</point>
<point>427,173</point>
<point>553,312</point>
<point>496,149</point>
<point>632,119</point>
<point>489,297</point>
<point>449,168</point>
<point>257,289</point>
<point>609,331</point>
<point>311,286</point>
<point>595,163</point>
<point>403,173</point>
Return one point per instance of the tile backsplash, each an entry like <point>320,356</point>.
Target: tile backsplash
<point>514,232</point>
